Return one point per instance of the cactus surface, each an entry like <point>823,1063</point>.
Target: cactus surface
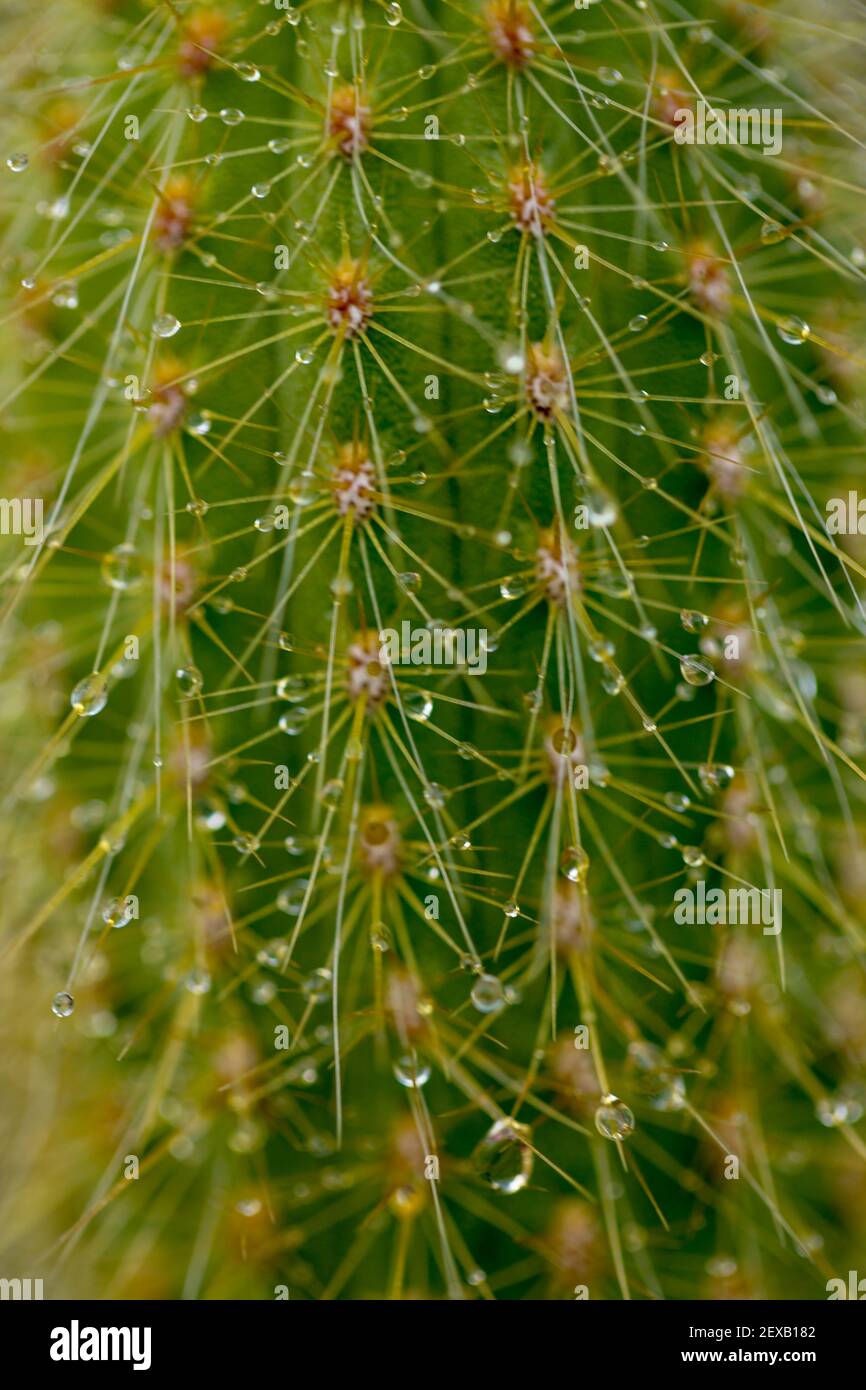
<point>436,455</point>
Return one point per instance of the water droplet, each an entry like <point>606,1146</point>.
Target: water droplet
<point>601,509</point>
<point>418,705</point>
<point>663,1088</point>
<point>197,982</point>
<point>692,620</point>
<point>613,1119</point>
<point>273,952</point>
<point>304,356</point>
<point>411,1072</point>
<point>503,1158</point>
<point>677,801</point>
<point>601,649</point>
<point>291,898</point>
<point>715,777</point>
<point>639,322</point>
<point>121,568</point>
<point>293,688</point>
<point>260,190</point>
<point>513,587</point>
<point>89,696</point>
<point>294,721</point>
<point>118,912</point>
<point>666,1091</point>
<point>772,232</point>
<point>410,580</point>
<point>63,1004</point>
<point>317,986</point>
<point>696,671</point>
<point>393,14</point>
<point>247,72</point>
<point>196,113</point>
<point>693,856</point>
<point>230,115</point>
<point>511,909</point>
<point>17,163</point>
<point>165,326</point>
<point>487,995</point>
<point>248,1206</point>
<point>302,490</point>
<point>331,793</point>
<point>564,741</point>
<point>853,1096</point>
<point>830,1110</point>
<point>574,863</point>
<point>793,330</point>
<point>379,936</point>
<point>189,681</point>
<point>65,295</point>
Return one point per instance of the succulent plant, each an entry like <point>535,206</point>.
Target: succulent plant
<point>420,425</point>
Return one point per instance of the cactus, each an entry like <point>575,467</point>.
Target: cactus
<point>434,581</point>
